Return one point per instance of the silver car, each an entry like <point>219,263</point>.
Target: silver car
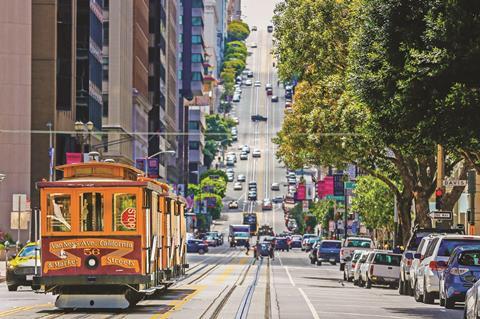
<point>356,271</point>
<point>348,273</point>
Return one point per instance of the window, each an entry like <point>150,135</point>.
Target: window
<point>194,145</point>
<point>196,76</point>
<point>193,125</point>
<point>448,245</point>
<point>91,212</point>
<point>388,260</point>
<point>59,216</point>
<point>431,247</point>
<point>359,243</point>
<point>469,258</point>
<point>125,212</point>
<point>197,58</point>
<point>196,39</point>
<point>28,251</point>
<point>197,21</point>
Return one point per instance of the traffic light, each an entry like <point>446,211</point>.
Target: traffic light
<point>438,198</point>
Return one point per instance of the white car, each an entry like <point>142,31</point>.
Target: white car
<point>244,156</point>
<point>258,83</point>
<point>248,82</point>
<point>358,267</point>
<point>253,45</point>
<point>236,120</point>
<point>256,153</point>
<point>236,98</point>
<point>241,178</point>
<point>275,187</point>
<point>230,177</point>
<point>232,155</point>
<point>418,256</point>
<point>350,265</point>
<point>237,186</point>
<point>246,149</point>
<point>427,285</point>
<point>351,244</point>
<point>381,268</point>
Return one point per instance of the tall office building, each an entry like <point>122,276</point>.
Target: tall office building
<point>125,80</point>
<point>192,68</point>
<point>15,108</point>
<point>163,91</point>
<point>67,42</point>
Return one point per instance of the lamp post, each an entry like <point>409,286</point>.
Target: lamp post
<point>80,129</point>
<point>158,153</point>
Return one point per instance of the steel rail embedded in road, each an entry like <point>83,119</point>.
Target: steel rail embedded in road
<point>244,307</point>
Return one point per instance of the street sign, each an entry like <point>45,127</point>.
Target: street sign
<point>332,197</point>
<point>338,187</point>
<point>441,215</point>
<point>454,182</point>
<point>19,202</point>
<point>350,185</point>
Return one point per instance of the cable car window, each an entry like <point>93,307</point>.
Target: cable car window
<point>125,212</point>
<point>91,212</point>
<point>59,216</point>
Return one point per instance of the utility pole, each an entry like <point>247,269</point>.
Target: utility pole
<point>440,175</point>
<point>472,189</point>
<point>51,151</point>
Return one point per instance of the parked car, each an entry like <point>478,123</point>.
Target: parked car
<point>275,187</point>
<point>250,74</point>
<point>248,82</point>
<point>237,186</point>
<point>463,270</point>
<point>426,287</point>
<point>230,162</point>
<point>281,243</point>
<point>353,243</point>
<point>267,204</point>
<point>296,241</point>
<point>417,259</point>
<point>358,266</point>
<point>233,204</point>
<point>254,28</point>
<point>307,243</point>
<point>196,246</point>
<point>406,273</point>
<point>241,178</point>
<point>328,251</point>
<point>472,302</point>
<point>21,267</point>
<point>257,118</point>
<point>350,265</point>
<point>230,177</point>
<point>270,28</point>
<point>236,98</point>
<point>381,268</point>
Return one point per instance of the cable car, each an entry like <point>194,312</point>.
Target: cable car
<point>109,236</point>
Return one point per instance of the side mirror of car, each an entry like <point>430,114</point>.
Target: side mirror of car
<point>409,255</point>
<point>417,256</point>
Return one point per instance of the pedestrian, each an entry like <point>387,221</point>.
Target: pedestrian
<point>271,252</point>
<point>247,246</point>
<point>255,251</point>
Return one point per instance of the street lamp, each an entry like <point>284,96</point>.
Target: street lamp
<point>156,154</point>
<point>80,130</point>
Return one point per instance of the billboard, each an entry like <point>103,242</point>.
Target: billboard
<point>325,187</point>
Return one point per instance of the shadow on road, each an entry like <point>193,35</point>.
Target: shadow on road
<point>428,313</point>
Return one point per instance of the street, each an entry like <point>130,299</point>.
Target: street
<point>227,284</point>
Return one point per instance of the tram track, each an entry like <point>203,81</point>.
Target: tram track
<point>221,304</point>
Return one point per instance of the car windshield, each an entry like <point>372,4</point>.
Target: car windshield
<point>387,259</point>
<point>469,258</point>
<point>312,239</point>
<point>448,245</point>
<point>242,235</point>
<point>415,242</point>
<point>331,244</point>
<point>28,251</point>
<point>359,243</point>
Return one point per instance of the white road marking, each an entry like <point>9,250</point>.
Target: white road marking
<point>289,276</point>
<point>309,304</point>
<point>361,315</point>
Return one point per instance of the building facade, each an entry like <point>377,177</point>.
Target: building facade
<point>15,108</point>
<point>196,140</point>
<point>67,76</point>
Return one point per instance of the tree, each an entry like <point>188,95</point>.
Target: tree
<point>236,47</point>
<point>374,202</point>
<point>209,152</point>
<point>215,172</point>
<point>237,31</point>
<point>332,123</point>
<point>235,64</point>
<point>323,211</point>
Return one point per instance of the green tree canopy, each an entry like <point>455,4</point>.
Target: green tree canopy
<point>237,31</point>
<point>217,172</point>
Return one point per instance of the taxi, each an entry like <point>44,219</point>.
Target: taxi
<point>21,267</point>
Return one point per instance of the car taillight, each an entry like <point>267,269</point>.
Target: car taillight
<point>433,265</point>
<point>371,270</point>
<point>353,265</point>
<point>459,271</point>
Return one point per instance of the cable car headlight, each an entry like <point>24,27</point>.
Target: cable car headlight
<point>91,262</point>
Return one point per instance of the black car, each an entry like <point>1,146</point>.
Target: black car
<point>274,98</point>
<point>281,243</point>
<point>258,117</point>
